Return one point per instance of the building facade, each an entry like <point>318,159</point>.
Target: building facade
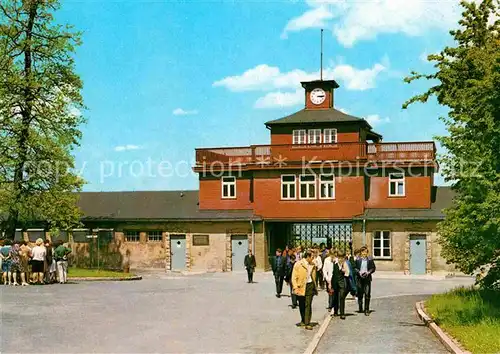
<point>326,176</point>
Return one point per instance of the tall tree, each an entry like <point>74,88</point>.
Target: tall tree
<point>467,82</point>
<point>40,105</point>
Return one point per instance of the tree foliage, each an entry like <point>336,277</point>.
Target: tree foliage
<point>467,82</point>
<point>40,115</point>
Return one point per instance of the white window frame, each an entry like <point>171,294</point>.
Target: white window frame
<point>396,181</point>
<point>307,183</point>
<point>324,183</point>
<point>384,234</point>
<point>314,136</point>
<point>136,236</point>
<point>299,136</point>
<point>289,184</point>
<point>155,236</point>
<point>328,134</point>
<point>228,183</point>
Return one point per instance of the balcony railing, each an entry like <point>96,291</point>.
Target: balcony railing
<point>289,154</point>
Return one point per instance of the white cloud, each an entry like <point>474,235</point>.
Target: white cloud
<point>314,18</point>
<point>252,79</point>
<point>364,20</point>
<point>284,88</point>
<point>182,112</point>
<point>423,56</point>
<point>356,79</point>
<point>127,147</point>
<point>280,99</point>
<point>374,120</point>
<point>267,78</point>
<point>75,112</point>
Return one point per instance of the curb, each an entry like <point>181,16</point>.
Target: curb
<point>137,277</point>
<point>311,348</point>
<point>444,338</point>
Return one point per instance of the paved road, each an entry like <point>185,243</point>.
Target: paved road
<point>205,313</point>
<point>393,327</point>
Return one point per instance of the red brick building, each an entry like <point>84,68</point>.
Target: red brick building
<point>326,176</point>
<point>321,178</point>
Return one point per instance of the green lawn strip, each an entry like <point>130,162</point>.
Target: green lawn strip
<point>95,273</point>
<point>471,316</point>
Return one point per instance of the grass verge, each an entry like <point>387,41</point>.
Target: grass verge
<point>96,273</point>
<point>470,315</point>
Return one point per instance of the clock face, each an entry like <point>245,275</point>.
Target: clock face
<point>318,96</point>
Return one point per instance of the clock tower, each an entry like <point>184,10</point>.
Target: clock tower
<point>319,94</point>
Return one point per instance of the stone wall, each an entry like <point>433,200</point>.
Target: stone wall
<point>156,254</point>
<point>400,244</point>
<point>211,257</point>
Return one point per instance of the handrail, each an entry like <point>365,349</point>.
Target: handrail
<point>342,151</point>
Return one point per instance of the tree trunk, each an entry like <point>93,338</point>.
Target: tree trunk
<point>26,112</point>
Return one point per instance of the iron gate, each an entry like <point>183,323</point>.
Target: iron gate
<point>337,235</point>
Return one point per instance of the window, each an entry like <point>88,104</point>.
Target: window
<point>314,136</point>
<point>132,236</point>
<point>396,184</point>
<point>327,187</point>
<point>228,187</point>
<point>299,137</point>
<point>307,187</point>
<point>382,244</point>
<point>201,240</point>
<point>155,236</point>
<point>288,187</point>
<point>80,235</point>
<point>330,136</point>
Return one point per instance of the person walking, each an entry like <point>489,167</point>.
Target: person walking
<point>304,286</point>
<point>61,256</point>
<point>250,265</point>
<point>288,279</point>
<point>319,265</point>
<point>365,267</point>
<point>279,268</point>
<point>324,255</point>
<point>328,275</point>
<point>341,280</point>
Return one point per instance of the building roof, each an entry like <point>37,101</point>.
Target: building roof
<point>324,83</point>
<point>317,116</point>
<point>183,205</point>
<point>153,205</point>
<point>442,198</point>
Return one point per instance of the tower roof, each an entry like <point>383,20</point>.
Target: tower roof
<point>306,116</point>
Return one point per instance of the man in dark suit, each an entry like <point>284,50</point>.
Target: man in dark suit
<point>340,284</point>
<point>365,267</point>
<point>278,264</point>
<point>250,265</point>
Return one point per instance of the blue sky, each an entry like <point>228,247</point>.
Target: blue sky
<point>162,78</point>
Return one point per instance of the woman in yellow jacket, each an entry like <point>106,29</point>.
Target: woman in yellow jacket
<point>304,286</point>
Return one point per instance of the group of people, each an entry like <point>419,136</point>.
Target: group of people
<point>306,271</point>
<point>23,265</point>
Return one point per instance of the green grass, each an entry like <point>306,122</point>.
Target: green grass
<point>470,315</point>
<point>94,273</point>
